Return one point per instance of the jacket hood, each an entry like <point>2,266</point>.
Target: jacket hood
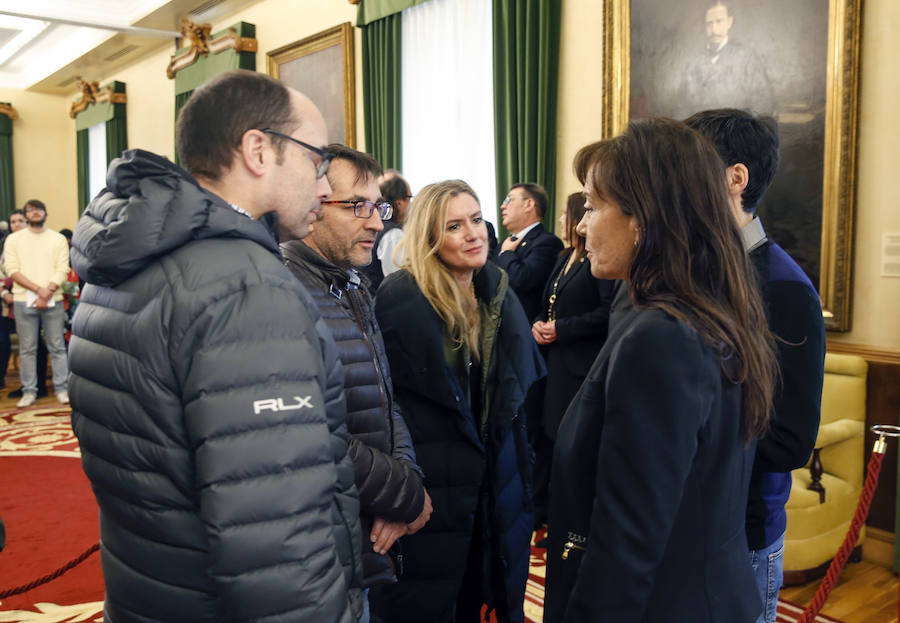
<point>149,208</point>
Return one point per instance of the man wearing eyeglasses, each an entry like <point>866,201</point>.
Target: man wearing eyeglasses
<point>392,498</point>
<point>206,393</point>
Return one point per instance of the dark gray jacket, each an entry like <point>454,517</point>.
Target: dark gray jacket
<point>207,400</point>
<point>388,479</point>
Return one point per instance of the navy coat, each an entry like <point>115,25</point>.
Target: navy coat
<point>461,465</point>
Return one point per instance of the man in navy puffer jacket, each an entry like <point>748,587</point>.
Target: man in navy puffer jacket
<point>206,392</point>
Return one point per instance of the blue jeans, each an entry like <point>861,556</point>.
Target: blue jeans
<point>768,567</point>
<point>365,613</point>
<point>28,324</point>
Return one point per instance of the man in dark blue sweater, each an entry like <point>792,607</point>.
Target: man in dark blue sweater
<point>749,148</point>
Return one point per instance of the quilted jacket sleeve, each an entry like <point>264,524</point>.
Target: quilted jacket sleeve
<point>270,463</point>
<point>389,488</point>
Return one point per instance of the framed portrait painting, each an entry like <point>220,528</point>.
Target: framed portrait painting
<point>796,61</point>
<point>321,67</point>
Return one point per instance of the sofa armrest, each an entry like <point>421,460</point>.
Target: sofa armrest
<point>838,431</point>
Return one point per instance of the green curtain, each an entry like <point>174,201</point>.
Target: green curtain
<point>382,70</point>
<point>117,127</point>
<point>114,116</point>
<point>374,10</point>
<point>526,77</point>
<point>81,150</point>
<point>7,178</point>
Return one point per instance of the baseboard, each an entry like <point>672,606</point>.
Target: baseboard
<point>805,576</point>
<point>879,547</point>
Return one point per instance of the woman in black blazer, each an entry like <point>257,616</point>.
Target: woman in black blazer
<point>574,319</point>
<point>653,457</point>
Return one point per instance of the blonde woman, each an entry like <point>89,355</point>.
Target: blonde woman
<point>462,359</point>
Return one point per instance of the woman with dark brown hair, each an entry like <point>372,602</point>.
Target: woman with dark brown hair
<point>571,330</point>
<point>653,457</point>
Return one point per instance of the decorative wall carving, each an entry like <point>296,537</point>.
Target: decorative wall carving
<point>202,43</point>
<point>91,93</point>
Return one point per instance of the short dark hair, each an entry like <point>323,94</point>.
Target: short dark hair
<point>394,188</point>
<point>35,203</point>
<point>739,136</point>
<point>212,123</point>
<point>537,193</point>
<point>365,165</point>
<point>66,232</point>
<point>17,211</point>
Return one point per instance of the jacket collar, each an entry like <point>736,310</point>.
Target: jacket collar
<point>335,279</point>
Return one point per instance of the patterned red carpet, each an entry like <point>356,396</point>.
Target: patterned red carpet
<point>51,518</point>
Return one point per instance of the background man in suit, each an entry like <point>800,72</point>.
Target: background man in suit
<point>749,147</point>
<point>528,255</point>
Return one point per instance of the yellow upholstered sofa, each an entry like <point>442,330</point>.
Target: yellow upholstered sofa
<point>824,494</point>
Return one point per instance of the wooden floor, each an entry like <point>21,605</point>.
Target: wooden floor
<point>865,593</point>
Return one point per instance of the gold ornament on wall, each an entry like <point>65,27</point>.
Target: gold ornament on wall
<point>91,93</point>
<point>8,110</point>
<point>202,43</point>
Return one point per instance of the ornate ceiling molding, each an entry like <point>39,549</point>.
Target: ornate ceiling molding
<point>203,44</point>
<point>91,93</point>
<point>9,111</point>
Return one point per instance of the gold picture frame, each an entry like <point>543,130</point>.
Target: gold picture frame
<point>322,67</point>
<point>838,113</point>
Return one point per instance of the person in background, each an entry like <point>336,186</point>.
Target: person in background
<point>71,288</point>
<point>393,502</point>
<point>37,260</point>
<point>462,358</point>
<point>395,191</point>
<point>653,458</point>
<point>7,319</point>
<point>529,253</point>
<point>570,329</point>
<point>748,146</point>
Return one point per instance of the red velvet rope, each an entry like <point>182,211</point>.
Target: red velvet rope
<point>50,576</point>
<point>840,559</point>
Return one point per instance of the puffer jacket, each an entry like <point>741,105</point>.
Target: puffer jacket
<point>207,399</point>
<point>467,457</point>
<point>387,477</point>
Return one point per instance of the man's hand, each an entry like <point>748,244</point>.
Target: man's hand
<point>44,293</point>
<point>8,297</point>
<point>509,244</point>
<point>384,533</point>
<point>423,517</point>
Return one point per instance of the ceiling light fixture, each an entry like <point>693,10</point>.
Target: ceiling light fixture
<point>28,30</point>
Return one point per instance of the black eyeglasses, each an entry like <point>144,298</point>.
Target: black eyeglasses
<point>326,157</point>
<point>364,209</point>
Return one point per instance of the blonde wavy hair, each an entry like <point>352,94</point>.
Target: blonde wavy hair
<point>423,237</point>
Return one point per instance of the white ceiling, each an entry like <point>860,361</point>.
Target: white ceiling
<point>46,44</point>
